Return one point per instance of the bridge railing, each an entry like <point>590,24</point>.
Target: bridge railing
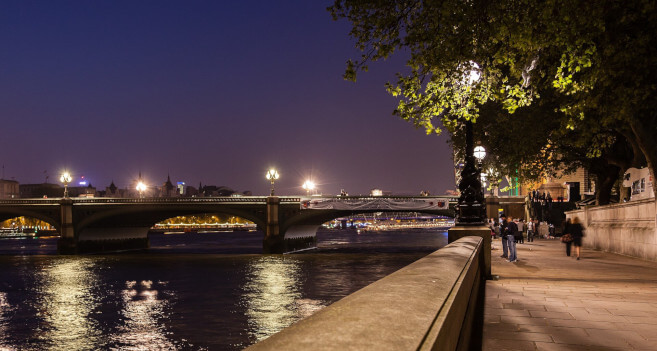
<point>216,199</point>
<point>150,200</point>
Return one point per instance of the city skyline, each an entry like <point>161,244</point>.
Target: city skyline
<point>206,92</point>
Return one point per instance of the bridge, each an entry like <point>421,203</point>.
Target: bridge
<point>289,223</point>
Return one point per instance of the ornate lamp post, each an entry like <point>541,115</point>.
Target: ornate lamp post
<point>471,205</point>
<point>308,186</point>
<point>272,175</point>
<point>471,208</point>
<point>66,179</point>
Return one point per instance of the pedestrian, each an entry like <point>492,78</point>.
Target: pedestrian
<point>496,229</point>
<point>577,231</point>
<point>512,232</point>
<point>530,230</point>
<point>503,234</point>
<point>521,229</point>
<point>567,237</point>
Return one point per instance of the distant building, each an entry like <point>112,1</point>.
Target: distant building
<point>9,189</point>
<point>167,189</point>
<point>181,188</point>
<point>191,191</point>
<point>31,191</point>
<point>113,191</point>
<point>82,191</point>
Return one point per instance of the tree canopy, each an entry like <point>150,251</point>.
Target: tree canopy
<point>580,73</point>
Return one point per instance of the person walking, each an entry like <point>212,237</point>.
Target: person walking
<point>577,231</point>
<point>512,232</point>
<point>521,229</point>
<point>530,230</point>
<point>567,237</point>
<point>503,234</point>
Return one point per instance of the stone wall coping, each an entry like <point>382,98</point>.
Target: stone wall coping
<point>411,309</point>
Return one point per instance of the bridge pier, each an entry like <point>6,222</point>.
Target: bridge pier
<point>274,241</point>
<point>66,244</point>
<point>295,238</point>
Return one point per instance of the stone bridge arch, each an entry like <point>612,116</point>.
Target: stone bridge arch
<point>298,227</point>
<point>49,213</point>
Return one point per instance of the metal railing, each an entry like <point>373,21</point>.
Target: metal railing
<point>218,199</point>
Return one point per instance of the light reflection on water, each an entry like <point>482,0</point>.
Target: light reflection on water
<point>142,312</point>
<point>272,295</point>
<point>5,310</point>
<point>66,301</point>
<point>168,300</point>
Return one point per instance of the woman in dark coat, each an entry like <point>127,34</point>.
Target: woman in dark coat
<point>567,233</point>
<point>577,232</point>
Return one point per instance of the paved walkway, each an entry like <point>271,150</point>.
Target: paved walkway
<point>548,301</point>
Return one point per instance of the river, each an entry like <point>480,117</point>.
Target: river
<point>209,291</point>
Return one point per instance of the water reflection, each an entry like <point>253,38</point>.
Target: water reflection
<point>142,312</point>
<point>65,304</point>
<point>271,296</point>
<point>5,309</point>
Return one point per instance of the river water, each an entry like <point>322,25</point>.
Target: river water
<point>209,291</point>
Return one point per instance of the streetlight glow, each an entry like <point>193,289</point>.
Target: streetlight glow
<point>141,187</point>
<point>66,179</point>
<point>308,186</point>
<point>272,175</point>
<point>479,153</point>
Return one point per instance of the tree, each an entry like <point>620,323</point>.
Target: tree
<point>597,71</point>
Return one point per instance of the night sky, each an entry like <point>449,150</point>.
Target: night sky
<point>206,91</point>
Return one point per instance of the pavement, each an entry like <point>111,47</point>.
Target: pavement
<point>548,301</point>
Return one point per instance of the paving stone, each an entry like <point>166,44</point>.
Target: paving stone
<point>545,346</point>
<point>524,336</point>
<point>551,315</point>
<point>603,302</point>
<point>508,345</point>
<point>506,312</point>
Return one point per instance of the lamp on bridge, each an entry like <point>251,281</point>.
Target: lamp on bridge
<point>309,186</point>
<point>66,179</point>
<point>272,175</point>
<point>141,187</point>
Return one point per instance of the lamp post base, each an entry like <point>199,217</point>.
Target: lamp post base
<point>460,230</point>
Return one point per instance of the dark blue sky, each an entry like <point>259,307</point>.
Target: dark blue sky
<point>210,91</point>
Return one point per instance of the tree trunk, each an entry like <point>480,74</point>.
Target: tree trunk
<point>645,131</point>
<point>606,178</point>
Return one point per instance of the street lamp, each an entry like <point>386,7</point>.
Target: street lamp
<point>66,179</point>
<point>479,153</point>
<point>308,185</point>
<point>141,187</point>
<point>272,175</point>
